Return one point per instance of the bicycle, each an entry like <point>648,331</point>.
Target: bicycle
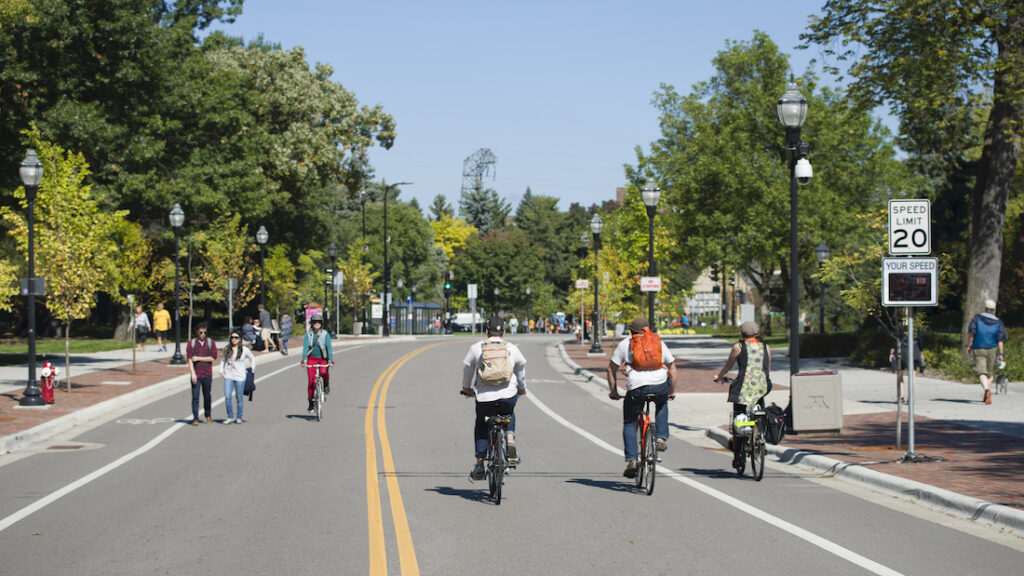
<point>496,461</point>
<point>647,451</point>
<point>750,433</point>
<point>319,397</point>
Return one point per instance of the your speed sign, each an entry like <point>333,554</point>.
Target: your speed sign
<point>910,227</point>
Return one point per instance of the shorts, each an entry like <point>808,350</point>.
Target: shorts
<point>161,333</point>
<point>140,335</point>
<point>984,360</point>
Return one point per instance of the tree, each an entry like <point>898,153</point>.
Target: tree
<point>441,208</point>
<point>451,235</point>
<point>226,251</point>
<point>76,246</point>
<point>721,166</point>
<point>935,63</point>
<point>483,209</point>
<point>359,277</point>
<point>550,236</point>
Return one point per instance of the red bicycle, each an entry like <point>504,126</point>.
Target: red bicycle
<point>648,454</point>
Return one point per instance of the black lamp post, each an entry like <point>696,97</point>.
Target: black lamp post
<point>585,245</point>
<point>261,238</point>
<point>651,195</point>
<point>362,299</point>
<point>495,303</point>
<point>332,252</point>
<point>822,253</point>
<point>385,321</point>
<point>792,110</point>
<point>596,224</point>
<point>528,315</point>
<point>31,172</point>
<point>177,218</point>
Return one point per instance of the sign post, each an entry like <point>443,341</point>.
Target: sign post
<point>582,285</point>
<point>471,294</point>
<point>909,282</point>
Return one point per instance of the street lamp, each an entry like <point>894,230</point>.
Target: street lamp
<point>385,321</point>
<point>822,253</point>
<point>332,253</point>
<point>31,172</point>
<point>177,218</point>
<point>261,238</point>
<point>651,195</point>
<point>792,110</point>
<point>528,314</point>
<point>495,303</point>
<point>596,224</point>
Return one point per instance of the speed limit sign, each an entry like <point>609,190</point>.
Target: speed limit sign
<point>910,227</point>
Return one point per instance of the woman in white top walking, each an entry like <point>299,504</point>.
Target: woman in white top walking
<point>233,370</point>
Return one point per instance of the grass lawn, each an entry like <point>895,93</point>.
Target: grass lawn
<point>15,351</point>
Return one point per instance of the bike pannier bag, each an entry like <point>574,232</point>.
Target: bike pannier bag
<point>775,424</point>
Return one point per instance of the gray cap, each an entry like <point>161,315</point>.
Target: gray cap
<point>749,329</point>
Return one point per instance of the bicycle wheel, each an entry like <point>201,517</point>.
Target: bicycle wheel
<point>319,400</point>
<point>757,451</point>
<point>498,468</point>
<point>641,431</point>
<point>650,460</point>
<point>743,448</point>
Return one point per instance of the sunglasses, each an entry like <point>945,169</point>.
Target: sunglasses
<point>234,337</point>
<point>201,332</point>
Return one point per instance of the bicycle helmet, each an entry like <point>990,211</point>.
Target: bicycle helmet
<point>316,317</point>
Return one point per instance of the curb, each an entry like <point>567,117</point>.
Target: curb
<point>959,505</point>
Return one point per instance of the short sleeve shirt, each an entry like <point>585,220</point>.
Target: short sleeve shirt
<point>197,347</point>
<point>623,356</point>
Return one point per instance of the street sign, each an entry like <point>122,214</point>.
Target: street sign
<point>583,284</point>
<point>471,291</point>
<point>650,283</point>
<point>910,282</point>
<point>910,227</point>
<point>339,281</point>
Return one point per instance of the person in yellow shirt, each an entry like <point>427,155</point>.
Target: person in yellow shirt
<point>161,325</point>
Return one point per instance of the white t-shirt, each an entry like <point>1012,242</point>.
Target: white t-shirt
<point>487,393</point>
<point>623,356</point>
<point>233,369</point>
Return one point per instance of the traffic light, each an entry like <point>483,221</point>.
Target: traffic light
<point>447,284</point>
<point>714,272</point>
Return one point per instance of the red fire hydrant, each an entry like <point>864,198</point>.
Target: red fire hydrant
<point>48,375</point>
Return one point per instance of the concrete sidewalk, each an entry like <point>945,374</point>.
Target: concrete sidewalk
<point>975,465</point>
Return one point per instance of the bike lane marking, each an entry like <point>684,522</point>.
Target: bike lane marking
<point>84,480</point>
<point>775,521</point>
<point>375,517</point>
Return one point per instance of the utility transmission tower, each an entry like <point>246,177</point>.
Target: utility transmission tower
<point>475,167</point>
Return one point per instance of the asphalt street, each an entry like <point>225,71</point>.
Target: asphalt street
<point>381,486</point>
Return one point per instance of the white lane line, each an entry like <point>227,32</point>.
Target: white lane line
<point>775,521</point>
<point>60,493</point>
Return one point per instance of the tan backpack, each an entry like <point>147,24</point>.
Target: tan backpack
<point>495,368</point>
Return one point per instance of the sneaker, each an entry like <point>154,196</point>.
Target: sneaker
<point>630,471</point>
<point>737,460</point>
<point>209,420</point>
<point>310,409</point>
<point>478,472</point>
<point>195,422</point>
<point>661,444</point>
<point>988,396</point>
<point>239,420</point>
<point>327,388</point>
<point>229,421</point>
<point>513,454</point>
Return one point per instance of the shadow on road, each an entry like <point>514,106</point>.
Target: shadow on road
<point>613,485</point>
<point>472,495</point>
<point>713,473</point>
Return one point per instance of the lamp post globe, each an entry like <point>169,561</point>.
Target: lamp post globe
<point>651,195</point>
<point>596,225</point>
<point>792,111</point>
<point>822,253</point>
<point>177,218</point>
<point>31,173</point>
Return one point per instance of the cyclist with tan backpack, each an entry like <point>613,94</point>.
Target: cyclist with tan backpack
<point>650,369</point>
<point>495,373</point>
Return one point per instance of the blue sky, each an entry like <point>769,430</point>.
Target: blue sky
<point>560,91</point>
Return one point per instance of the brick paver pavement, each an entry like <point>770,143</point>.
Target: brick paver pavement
<point>968,461</point>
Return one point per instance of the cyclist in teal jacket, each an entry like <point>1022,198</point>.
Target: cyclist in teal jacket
<point>317,355</point>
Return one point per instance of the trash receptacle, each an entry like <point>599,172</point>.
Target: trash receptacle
<point>817,399</point>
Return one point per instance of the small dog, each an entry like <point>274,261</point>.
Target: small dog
<point>1000,383</point>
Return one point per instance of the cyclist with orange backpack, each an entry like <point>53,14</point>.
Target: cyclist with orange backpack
<point>495,373</point>
<point>650,369</point>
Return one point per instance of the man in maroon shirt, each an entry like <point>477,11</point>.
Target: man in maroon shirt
<point>201,352</point>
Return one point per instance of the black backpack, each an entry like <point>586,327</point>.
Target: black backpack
<point>775,424</point>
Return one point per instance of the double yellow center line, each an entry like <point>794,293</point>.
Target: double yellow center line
<point>375,517</point>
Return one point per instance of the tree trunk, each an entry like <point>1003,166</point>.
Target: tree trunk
<point>995,175</point>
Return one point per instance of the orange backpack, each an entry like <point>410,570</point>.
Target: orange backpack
<point>646,349</point>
